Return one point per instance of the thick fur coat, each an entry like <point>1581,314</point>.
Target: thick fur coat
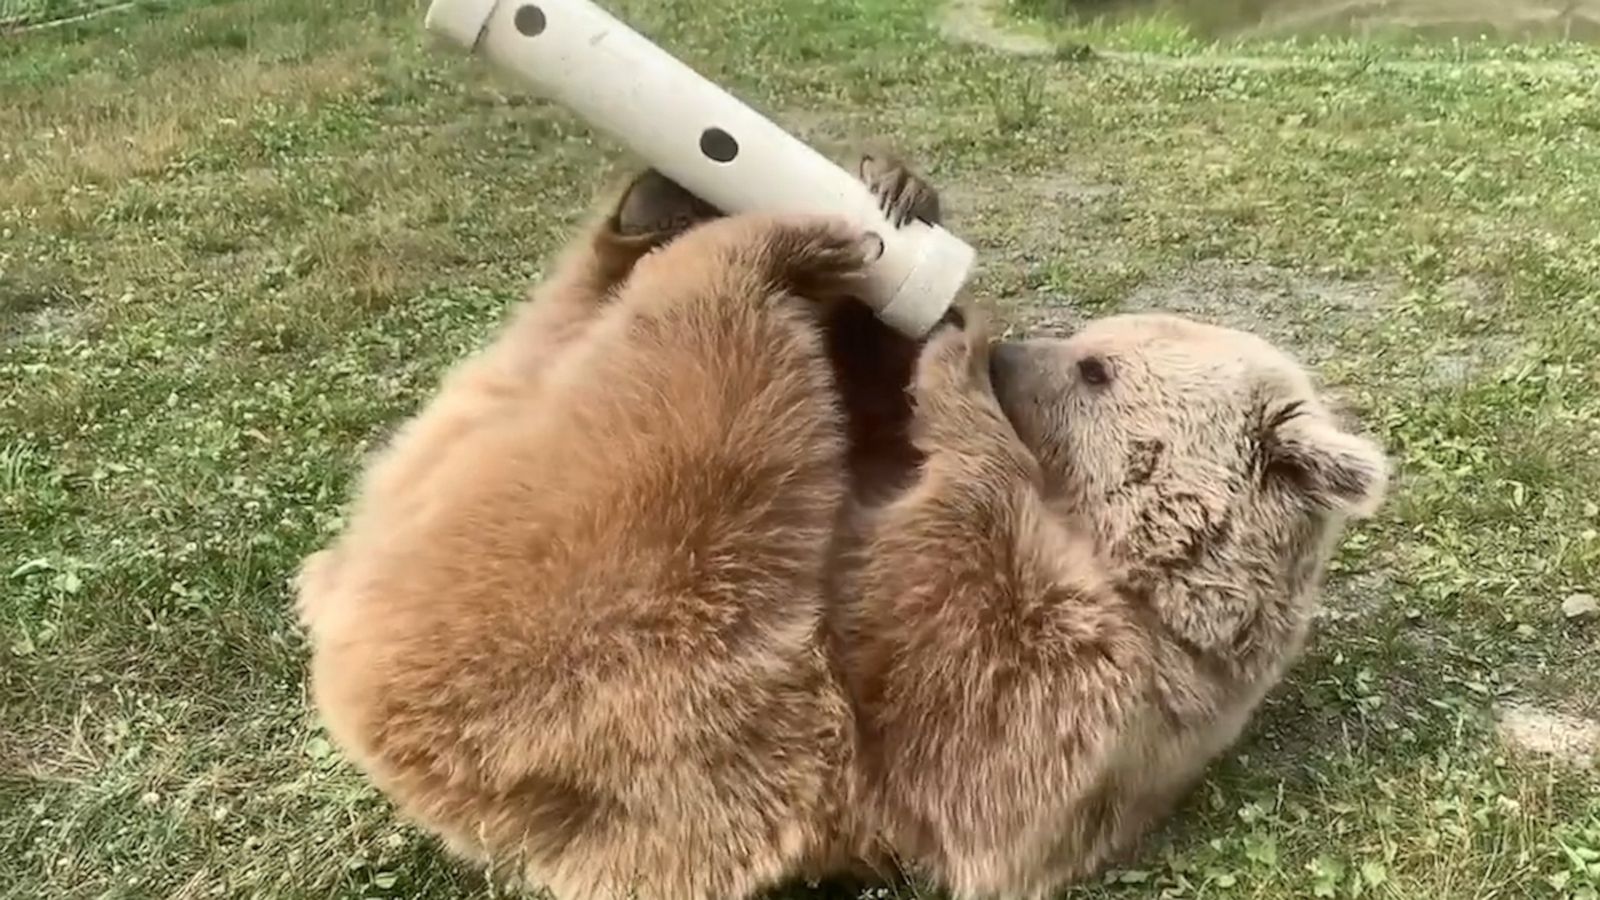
<point>698,578</point>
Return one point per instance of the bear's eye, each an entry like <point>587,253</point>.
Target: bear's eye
<point>1093,370</point>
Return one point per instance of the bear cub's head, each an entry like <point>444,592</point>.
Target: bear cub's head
<point>1209,472</point>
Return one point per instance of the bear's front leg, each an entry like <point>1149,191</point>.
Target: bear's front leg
<point>872,361</point>
<point>957,421</point>
<point>505,377</point>
<point>995,670</point>
<point>644,215</point>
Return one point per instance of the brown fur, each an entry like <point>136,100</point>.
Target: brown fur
<point>1087,589</point>
<point>572,625</point>
<point>620,610</point>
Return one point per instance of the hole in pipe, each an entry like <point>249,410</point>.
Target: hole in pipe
<point>872,245</point>
<point>718,145</point>
<point>529,20</point>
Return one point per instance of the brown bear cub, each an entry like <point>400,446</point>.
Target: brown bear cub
<point>670,592</point>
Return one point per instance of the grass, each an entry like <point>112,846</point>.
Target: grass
<point>1393,21</point>
<point>238,241</point>
<point>29,14</point>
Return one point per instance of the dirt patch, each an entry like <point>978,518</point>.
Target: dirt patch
<point>839,134</point>
<point>1356,597</point>
<point>1021,225</point>
<point>1565,19</point>
<point>37,303</point>
<point>1302,312</point>
<point>1018,223</point>
<point>985,23</point>
<point>1566,739</point>
<point>1559,19</point>
<point>1458,366</point>
<point>982,22</point>
<point>1454,363</point>
<point>1026,209</point>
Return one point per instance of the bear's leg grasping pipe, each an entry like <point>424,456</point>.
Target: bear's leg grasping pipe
<point>692,131</point>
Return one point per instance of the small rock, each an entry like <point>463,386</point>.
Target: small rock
<point>1580,607</point>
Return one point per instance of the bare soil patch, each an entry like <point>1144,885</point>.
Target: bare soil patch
<point>1305,313</point>
<point>1563,738</point>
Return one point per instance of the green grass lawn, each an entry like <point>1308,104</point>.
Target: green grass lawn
<point>240,241</point>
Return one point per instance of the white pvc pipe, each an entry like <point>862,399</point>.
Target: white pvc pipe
<point>692,131</point>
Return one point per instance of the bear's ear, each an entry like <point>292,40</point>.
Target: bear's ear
<point>1329,466</point>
